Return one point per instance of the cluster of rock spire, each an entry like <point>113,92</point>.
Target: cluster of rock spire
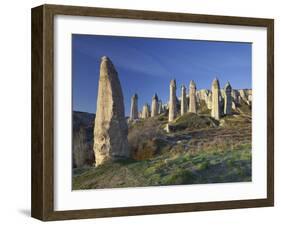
<point>111,129</point>
<point>219,101</point>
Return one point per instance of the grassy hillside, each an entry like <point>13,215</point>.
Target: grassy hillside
<point>198,150</point>
<point>212,166</point>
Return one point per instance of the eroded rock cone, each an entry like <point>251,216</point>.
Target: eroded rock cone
<point>111,130</point>
<point>183,100</point>
<point>145,111</point>
<point>228,99</point>
<point>154,106</point>
<point>192,97</point>
<point>134,107</point>
<point>172,101</point>
<point>215,99</point>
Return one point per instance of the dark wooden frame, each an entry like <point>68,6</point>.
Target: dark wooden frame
<point>42,203</point>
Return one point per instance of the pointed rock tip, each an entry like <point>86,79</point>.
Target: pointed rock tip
<point>155,96</point>
<point>173,82</point>
<point>135,96</point>
<point>106,61</point>
<point>228,85</point>
<point>105,58</point>
<point>192,83</point>
<point>215,81</point>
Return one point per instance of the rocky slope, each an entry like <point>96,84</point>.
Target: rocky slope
<point>198,149</point>
<point>82,139</point>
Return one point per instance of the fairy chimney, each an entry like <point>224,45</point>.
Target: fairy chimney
<point>160,107</point>
<point>183,100</point>
<point>172,101</point>
<point>215,99</point>
<point>227,99</point>
<point>154,106</point>
<point>111,130</point>
<point>145,111</point>
<point>192,97</point>
<point>134,107</point>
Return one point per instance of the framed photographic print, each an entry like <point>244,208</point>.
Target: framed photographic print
<point>141,112</point>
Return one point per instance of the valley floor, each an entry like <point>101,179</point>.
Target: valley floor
<point>210,152</point>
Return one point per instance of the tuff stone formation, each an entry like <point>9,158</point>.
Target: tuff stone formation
<point>183,100</point>
<point>221,101</point>
<point>215,99</point>
<point>165,107</point>
<point>202,95</point>
<point>160,107</point>
<point>154,106</point>
<point>209,101</point>
<point>111,130</point>
<point>145,111</point>
<point>243,95</point>
<point>227,99</point>
<point>192,97</point>
<point>250,98</point>
<point>172,101</point>
<point>134,107</point>
<point>235,96</point>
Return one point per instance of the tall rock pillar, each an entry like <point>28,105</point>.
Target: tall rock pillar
<point>154,106</point>
<point>172,101</point>
<point>134,107</point>
<point>183,100</point>
<point>209,101</point>
<point>145,111</point>
<point>192,97</point>
<point>160,107</point>
<point>111,130</point>
<point>227,99</point>
<point>215,99</point>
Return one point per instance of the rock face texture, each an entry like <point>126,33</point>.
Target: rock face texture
<point>215,99</point>
<point>227,99</point>
<point>233,105</point>
<point>111,130</point>
<point>145,111</point>
<point>235,95</point>
<point>160,107</point>
<point>250,98</point>
<point>209,101</point>
<point>165,107</point>
<point>134,107</point>
<point>173,101</point>
<point>183,100</point>
<point>243,95</point>
<point>192,97</point>
<point>154,106</point>
<point>202,95</point>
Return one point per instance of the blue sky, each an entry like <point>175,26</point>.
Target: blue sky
<point>146,65</point>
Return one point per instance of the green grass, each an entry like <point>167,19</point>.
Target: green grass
<point>212,166</point>
<point>195,121</point>
<point>198,150</point>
